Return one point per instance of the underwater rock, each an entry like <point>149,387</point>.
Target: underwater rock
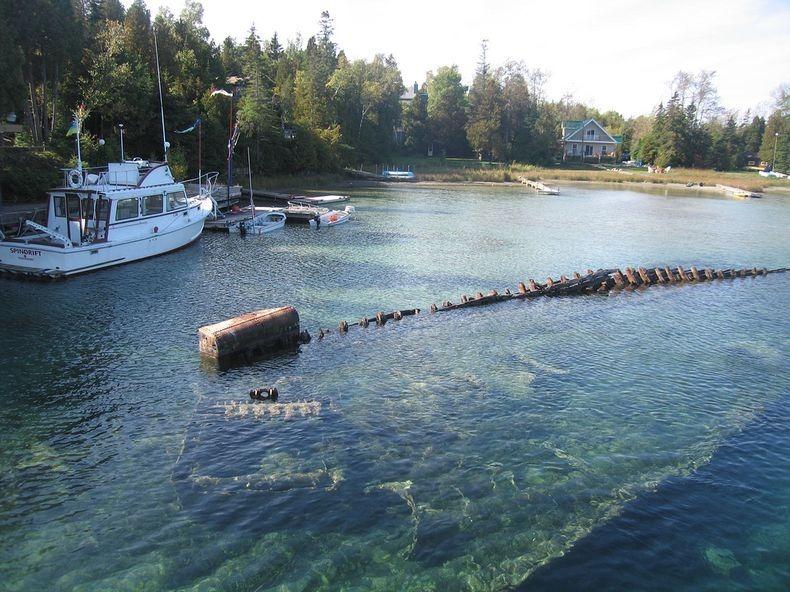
<point>721,560</point>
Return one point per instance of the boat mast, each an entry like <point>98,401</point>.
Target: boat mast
<point>161,104</point>
<point>249,172</point>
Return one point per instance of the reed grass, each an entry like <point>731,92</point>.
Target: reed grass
<point>453,173</point>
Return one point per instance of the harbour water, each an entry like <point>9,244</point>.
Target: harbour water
<point>630,441</point>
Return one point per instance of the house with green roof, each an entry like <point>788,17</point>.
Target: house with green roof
<point>586,138</point>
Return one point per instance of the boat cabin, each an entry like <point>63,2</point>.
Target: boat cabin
<point>96,205</point>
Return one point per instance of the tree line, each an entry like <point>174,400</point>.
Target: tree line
<point>306,107</point>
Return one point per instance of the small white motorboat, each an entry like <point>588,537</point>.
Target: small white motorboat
<point>319,199</point>
<point>397,175</point>
<point>260,224</point>
<point>332,217</point>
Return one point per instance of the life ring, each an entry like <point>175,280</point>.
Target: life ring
<point>74,178</point>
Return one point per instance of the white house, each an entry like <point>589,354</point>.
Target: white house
<point>587,139</point>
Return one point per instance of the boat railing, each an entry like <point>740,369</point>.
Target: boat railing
<point>203,186</point>
<point>128,172</point>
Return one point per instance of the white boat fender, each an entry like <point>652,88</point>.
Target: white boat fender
<point>74,178</point>
<point>264,394</point>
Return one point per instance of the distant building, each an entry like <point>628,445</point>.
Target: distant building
<point>405,101</point>
<point>586,138</point>
<point>752,160</point>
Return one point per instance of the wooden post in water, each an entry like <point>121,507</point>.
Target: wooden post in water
<point>629,273</point>
<point>682,274</point>
<point>522,289</point>
<point>720,274</point>
<point>659,277</point>
<point>708,273</point>
<point>695,274</point>
<point>533,287</point>
<point>644,276</point>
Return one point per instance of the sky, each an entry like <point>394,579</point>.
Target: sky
<point>610,54</point>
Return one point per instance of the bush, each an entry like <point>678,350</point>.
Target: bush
<point>26,174</point>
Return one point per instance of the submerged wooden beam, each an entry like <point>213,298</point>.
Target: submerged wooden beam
<point>253,332</point>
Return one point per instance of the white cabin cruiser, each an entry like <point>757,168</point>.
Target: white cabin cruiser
<point>126,211</point>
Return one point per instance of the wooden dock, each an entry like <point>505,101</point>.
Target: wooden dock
<point>540,187</point>
<point>293,214</point>
<point>737,192</point>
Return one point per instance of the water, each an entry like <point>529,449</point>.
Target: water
<point>634,440</point>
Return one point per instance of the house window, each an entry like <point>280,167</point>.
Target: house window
<point>153,204</point>
<point>573,149</point>
<point>176,199</point>
<point>588,150</point>
<point>603,150</point>
<point>126,209</point>
<point>590,134</point>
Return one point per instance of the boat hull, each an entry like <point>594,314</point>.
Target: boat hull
<point>50,261</point>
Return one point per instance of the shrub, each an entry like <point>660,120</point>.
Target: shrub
<point>26,174</point>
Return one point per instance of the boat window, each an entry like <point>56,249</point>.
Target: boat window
<point>73,206</point>
<point>60,206</point>
<point>87,208</point>
<point>176,199</point>
<point>102,208</point>
<point>126,209</point>
<point>153,204</point>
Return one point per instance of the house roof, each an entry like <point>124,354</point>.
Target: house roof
<point>571,126</point>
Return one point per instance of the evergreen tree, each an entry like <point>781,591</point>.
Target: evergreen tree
<point>447,111</point>
<point>484,124</point>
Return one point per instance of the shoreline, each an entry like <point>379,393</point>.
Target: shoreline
<point>319,183</point>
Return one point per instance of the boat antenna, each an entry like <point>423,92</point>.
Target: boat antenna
<point>161,104</point>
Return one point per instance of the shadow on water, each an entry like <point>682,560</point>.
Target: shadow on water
<point>722,528</point>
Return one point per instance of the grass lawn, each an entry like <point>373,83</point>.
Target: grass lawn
<point>467,169</point>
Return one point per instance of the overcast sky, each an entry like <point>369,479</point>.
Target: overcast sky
<point>611,54</point>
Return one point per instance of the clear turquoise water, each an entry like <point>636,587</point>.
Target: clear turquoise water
<point>630,441</point>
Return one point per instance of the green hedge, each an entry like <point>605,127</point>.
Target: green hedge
<point>26,175</point>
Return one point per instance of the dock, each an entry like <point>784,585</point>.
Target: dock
<point>224,197</point>
<point>540,187</point>
<point>294,214</point>
<point>737,192</point>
